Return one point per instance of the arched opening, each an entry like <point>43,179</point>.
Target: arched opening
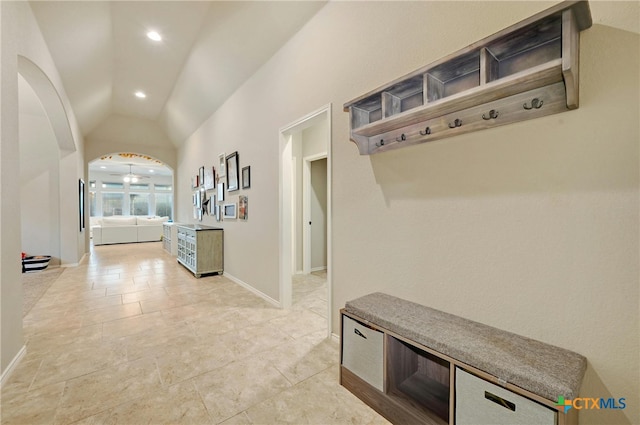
<point>46,143</point>
<point>39,178</point>
<point>129,184</point>
<point>51,103</point>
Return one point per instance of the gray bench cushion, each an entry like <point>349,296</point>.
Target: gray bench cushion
<point>540,368</point>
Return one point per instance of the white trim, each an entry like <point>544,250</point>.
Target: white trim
<point>335,337</point>
<point>14,363</point>
<point>329,222</point>
<point>285,203</point>
<point>252,289</point>
<point>303,121</point>
<point>75,264</point>
<point>318,269</point>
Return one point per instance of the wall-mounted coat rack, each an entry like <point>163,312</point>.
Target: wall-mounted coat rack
<point>525,71</point>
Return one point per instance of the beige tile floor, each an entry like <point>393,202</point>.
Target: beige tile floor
<point>130,337</point>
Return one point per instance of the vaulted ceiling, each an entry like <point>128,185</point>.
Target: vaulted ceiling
<point>208,49</point>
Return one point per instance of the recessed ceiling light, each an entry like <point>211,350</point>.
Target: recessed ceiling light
<point>103,167</point>
<point>151,171</point>
<point>140,94</point>
<point>153,35</point>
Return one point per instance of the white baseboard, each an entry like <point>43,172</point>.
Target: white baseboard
<point>335,337</point>
<point>9,370</point>
<point>75,264</point>
<point>252,289</point>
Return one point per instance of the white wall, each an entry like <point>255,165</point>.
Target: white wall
<point>531,227</point>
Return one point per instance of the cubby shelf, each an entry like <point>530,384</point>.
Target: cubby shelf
<point>477,87</point>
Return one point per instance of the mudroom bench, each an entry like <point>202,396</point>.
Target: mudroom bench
<point>415,364</point>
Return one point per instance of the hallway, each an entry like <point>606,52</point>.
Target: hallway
<point>131,337</point>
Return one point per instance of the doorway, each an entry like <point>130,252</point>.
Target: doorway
<point>314,214</point>
<point>305,199</point>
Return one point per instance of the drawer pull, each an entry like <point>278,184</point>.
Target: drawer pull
<point>499,400</point>
<point>357,332</point>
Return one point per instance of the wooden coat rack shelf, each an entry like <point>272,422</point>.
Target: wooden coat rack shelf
<point>526,71</point>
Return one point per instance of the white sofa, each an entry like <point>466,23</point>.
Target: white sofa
<point>126,229</point>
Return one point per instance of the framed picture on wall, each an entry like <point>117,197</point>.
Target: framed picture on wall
<point>209,178</point>
<point>246,177</point>
<point>230,210</point>
<point>232,172</point>
<point>220,191</point>
<point>243,207</point>
<point>81,203</point>
<point>211,205</point>
<point>222,165</point>
<point>201,176</point>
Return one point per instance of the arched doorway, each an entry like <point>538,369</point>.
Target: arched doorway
<point>50,167</point>
<point>130,184</point>
<point>39,178</point>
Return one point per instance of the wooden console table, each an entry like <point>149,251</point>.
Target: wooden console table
<point>201,248</point>
<point>414,364</point>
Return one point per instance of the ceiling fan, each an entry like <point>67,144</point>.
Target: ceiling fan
<point>133,178</point>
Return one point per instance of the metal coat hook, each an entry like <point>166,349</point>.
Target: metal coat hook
<point>381,143</point>
<point>456,123</point>
<point>426,131</point>
<point>535,103</point>
<point>493,114</point>
<point>402,138</point>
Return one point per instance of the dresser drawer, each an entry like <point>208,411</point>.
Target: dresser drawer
<point>362,349</point>
<point>479,402</point>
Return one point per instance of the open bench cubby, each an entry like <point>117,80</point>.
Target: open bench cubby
<point>418,380</point>
<point>416,365</point>
<point>434,101</point>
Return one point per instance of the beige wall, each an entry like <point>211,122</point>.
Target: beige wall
<point>530,227</point>
<point>11,341</point>
<point>20,35</point>
<point>318,209</point>
<point>39,178</point>
<point>119,133</point>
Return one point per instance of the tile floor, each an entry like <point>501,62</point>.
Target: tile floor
<point>130,337</point>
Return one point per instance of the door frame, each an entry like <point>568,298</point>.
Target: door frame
<point>287,207</point>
